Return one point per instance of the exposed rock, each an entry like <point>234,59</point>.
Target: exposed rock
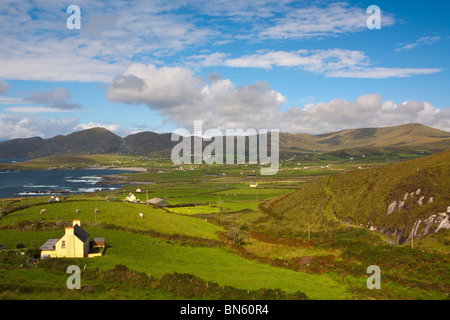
<point>420,200</point>
<point>418,191</point>
<point>390,242</point>
<point>431,200</point>
<point>432,220</point>
<point>413,232</point>
<point>405,197</point>
<point>391,207</point>
<point>401,204</point>
<point>445,223</point>
<point>400,234</point>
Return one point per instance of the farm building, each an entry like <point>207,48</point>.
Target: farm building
<point>53,199</point>
<point>73,244</point>
<point>131,198</point>
<point>158,202</point>
<point>253,184</point>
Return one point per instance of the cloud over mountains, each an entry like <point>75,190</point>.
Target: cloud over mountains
<point>182,98</point>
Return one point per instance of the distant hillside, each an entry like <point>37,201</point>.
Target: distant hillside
<point>354,141</point>
<point>398,199</point>
<point>146,142</point>
<point>408,135</point>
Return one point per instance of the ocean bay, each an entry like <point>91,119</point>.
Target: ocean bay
<point>15,184</point>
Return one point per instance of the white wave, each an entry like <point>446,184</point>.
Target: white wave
<point>85,179</point>
<point>39,186</point>
<point>28,193</point>
<point>88,189</point>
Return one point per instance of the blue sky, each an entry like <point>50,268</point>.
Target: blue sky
<point>296,66</point>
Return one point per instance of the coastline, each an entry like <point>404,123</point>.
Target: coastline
<point>121,179</point>
<point>135,169</point>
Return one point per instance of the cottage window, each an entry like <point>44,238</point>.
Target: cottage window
<point>63,244</point>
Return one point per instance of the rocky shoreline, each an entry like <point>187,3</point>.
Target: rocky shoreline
<point>113,179</point>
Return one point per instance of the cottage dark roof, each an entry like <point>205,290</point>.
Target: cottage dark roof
<point>49,244</point>
<point>80,233</point>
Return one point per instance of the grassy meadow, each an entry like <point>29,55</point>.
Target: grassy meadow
<point>218,238</point>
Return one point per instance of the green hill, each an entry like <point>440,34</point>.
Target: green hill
<point>413,190</point>
<point>394,139</point>
<point>402,136</point>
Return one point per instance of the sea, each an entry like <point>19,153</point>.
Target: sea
<point>15,184</point>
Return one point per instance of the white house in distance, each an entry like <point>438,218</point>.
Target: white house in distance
<point>131,198</point>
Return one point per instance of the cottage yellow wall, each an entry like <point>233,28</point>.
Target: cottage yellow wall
<point>50,253</point>
<point>75,248</point>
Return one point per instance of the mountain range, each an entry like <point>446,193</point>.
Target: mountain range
<point>352,141</point>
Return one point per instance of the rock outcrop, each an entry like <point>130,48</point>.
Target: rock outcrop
<point>432,224</point>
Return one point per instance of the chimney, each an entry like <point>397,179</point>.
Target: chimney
<point>69,231</point>
<point>76,222</point>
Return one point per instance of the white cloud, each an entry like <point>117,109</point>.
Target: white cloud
<point>36,45</point>
<point>418,42</point>
<point>21,109</point>
<point>15,125</point>
<point>333,63</point>
<point>4,86</point>
<point>161,88</point>
<point>241,11</point>
<point>367,111</point>
<point>382,73</point>
<point>19,126</point>
<point>91,125</point>
<point>53,99</point>
<point>316,21</point>
<point>10,100</point>
<point>54,60</point>
<point>183,98</point>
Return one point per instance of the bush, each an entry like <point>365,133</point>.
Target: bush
<point>20,245</point>
<point>238,236</point>
<point>12,257</point>
<point>33,253</point>
<point>56,264</point>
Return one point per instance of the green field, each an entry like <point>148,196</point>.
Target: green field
<point>217,233</point>
<point>157,257</point>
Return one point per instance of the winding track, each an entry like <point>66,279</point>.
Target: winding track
<point>328,208</point>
